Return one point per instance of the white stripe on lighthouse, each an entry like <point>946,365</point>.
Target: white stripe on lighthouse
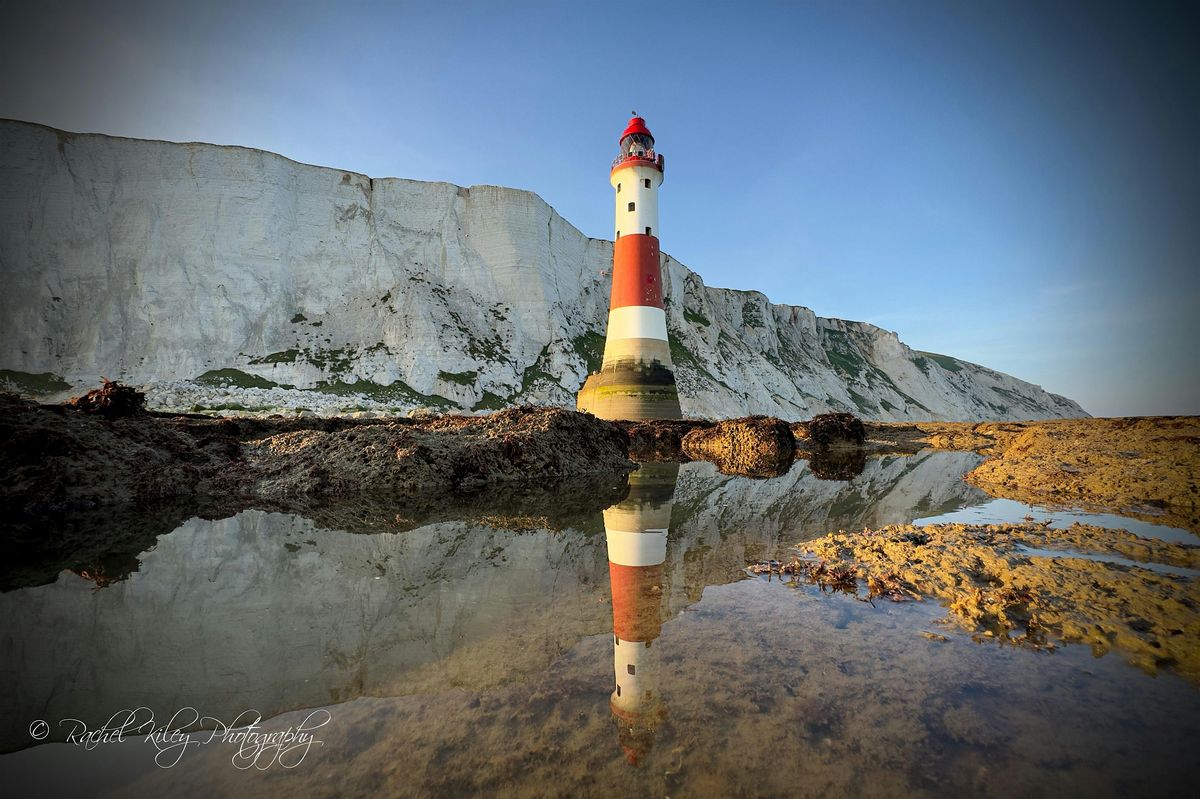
<point>644,214</point>
<point>647,548</point>
<point>637,321</point>
<point>633,682</point>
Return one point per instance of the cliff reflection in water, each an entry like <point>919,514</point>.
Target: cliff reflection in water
<point>276,611</point>
<point>480,644</point>
<point>636,533</point>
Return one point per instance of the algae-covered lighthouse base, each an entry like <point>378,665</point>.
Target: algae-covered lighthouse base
<point>637,378</point>
<point>630,391</point>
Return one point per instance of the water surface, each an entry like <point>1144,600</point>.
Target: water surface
<point>626,652</point>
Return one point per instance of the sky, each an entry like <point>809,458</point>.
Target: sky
<point>1015,184</point>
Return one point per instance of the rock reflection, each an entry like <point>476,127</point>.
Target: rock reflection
<point>837,464</point>
<point>636,533</point>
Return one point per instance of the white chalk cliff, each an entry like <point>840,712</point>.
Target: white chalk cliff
<point>225,276</point>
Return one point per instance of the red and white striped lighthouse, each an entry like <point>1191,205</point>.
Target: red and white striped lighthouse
<point>636,532</point>
<point>637,379</point>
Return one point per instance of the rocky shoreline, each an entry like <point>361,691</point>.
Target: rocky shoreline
<point>58,459</point>
<point>1029,583</point>
<point>76,457</point>
<point>1144,467</point>
<point>108,479</point>
<point>88,492</point>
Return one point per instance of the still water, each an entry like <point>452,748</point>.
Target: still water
<point>617,653</point>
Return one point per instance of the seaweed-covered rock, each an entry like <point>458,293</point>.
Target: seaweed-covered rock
<point>660,439</point>
<point>112,400</point>
<point>754,446</point>
<point>459,452</point>
<point>832,429</point>
<point>58,461</point>
<point>992,584</point>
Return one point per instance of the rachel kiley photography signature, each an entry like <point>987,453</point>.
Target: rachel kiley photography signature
<point>253,746</point>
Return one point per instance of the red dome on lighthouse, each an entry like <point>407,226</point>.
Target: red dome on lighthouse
<point>636,125</point>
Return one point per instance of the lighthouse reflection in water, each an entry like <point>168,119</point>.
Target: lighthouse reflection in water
<point>636,531</point>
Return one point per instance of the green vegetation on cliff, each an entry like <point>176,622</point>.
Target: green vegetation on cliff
<point>234,378</point>
<point>27,383</point>
<point>398,391</point>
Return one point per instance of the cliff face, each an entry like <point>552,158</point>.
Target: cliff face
<point>229,276</point>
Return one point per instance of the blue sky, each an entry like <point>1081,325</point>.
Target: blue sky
<point>1016,184</point>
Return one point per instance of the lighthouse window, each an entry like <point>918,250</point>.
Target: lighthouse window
<point>647,182</point>
<point>636,144</point>
<point>631,206</point>
<point>632,669</point>
<point>618,689</point>
<point>618,188</point>
<point>647,231</point>
<point>616,641</point>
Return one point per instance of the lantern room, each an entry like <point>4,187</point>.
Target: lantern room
<point>637,144</point>
<point>636,141</point>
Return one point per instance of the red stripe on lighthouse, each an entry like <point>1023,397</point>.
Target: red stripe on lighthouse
<point>636,601</point>
<point>636,276</point>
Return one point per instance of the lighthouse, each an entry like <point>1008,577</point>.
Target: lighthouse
<point>636,532</point>
<point>637,378</point>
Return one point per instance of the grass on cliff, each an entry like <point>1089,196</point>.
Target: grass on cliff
<point>461,378</point>
<point>944,361</point>
<point>398,391</point>
<point>286,356</point>
<point>490,402</point>
<point>681,356</point>
<point>537,372</point>
<point>841,353</point>
<point>864,404</point>
<point>590,347</point>
<point>335,361</point>
<point>234,378</point>
<point>28,383</point>
<point>847,362</point>
<point>752,314</point>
